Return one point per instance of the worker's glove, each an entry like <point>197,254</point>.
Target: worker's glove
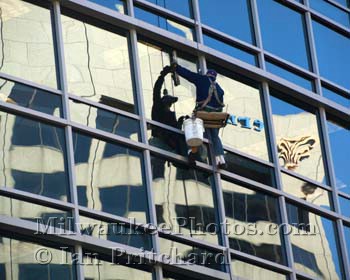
<point>166,70</point>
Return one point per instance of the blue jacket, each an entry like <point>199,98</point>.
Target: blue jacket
<point>202,84</point>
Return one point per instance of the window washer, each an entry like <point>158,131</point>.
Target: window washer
<point>209,98</point>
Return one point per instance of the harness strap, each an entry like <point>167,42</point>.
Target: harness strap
<point>212,89</point>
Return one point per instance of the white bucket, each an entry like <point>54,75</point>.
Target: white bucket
<point>194,130</point>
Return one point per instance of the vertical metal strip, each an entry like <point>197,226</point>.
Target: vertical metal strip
<point>68,130</point>
<point>197,20</point>
<point>277,170</point>
<point>257,33</point>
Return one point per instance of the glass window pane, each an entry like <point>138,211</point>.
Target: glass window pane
<point>152,60</point>
<point>339,138</point>
<point>298,141</point>
<point>165,23</point>
<point>34,157</point>
<point>27,44</point>
<point>96,269</point>
<point>116,232</point>
<point>283,32</point>
<point>247,271</point>
<point>104,120</point>
<point>117,5</point>
<point>314,244</point>
<point>230,50</point>
<point>19,258</point>
<point>29,97</point>
<point>41,215</point>
<point>347,238</point>
<point>109,177</point>
<point>344,206</point>
<point>245,130</point>
<point>183,7</point>
<point>192,254</point>
<point>333,57</point>
<point>250,169</point>
<point>330,11</point>
<point>307,191</point>
<point>184,200</point>
<point>250,217</point>
<point>98,64</point>
<point>288,75</point>
<point>235,17</point>
<point>334,96</point>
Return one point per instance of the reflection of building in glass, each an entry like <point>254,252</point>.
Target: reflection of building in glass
<point>82,170</point>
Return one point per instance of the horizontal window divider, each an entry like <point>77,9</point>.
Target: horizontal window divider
<point>178,42</point>
<point>290,66</point>
<point>29,83</point>
<point>249,183</point>
<point>343,194</point>
<point>245,155</point>
<point>260,262</point>
<point>338,5</point>
<point>36,199</point>
<point>295,5</point>
<point>304,178</point>
<point>346,221</point>
<point>312,207</point>
<point>103,106</point>
<point>230,39</point>
<point>33,114</point>
<point>335,87</point>
<point>330,23</point>
<point>165,12</point>
<point>306,276</point>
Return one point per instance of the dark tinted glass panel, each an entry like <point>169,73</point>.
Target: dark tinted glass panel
<point>26,45</point>
<point>306,191</point>
<point>31,98</point>
<point>344,206</point>
<point>183,7</point>
<point>165,23</point>
<point>290,76</point>
<point>298,141</point>
<point>229,49</point>
<point>334,96</point>
<point>116,232</point>
<point>250,169</point>
<point>178,252</point>
<point>34,157</point>
<point>98,64</point>
<point>283,32</point>
<point>234,17</point>
<point>333,54</point>
<point>339,141</point>
<point>117,5</point>
<point>331,11</point>
<point>41,215</point>
<point>22,263</point>
<point>96,269</point>
<point>104,120</point>
<point>247,271</point>
<point>314,243</point>
<point>174,142</point>
<point>109,177</point>
<point>184,200</point>
<point>248,215</point>
<point>245,129</point>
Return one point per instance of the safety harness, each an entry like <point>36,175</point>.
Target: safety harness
<point>212,91</point>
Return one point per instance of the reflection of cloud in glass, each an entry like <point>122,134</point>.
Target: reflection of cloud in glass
<point>119,8</point>
<point>187,31</point>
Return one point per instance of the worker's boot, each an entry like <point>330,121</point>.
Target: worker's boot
<point>220,162</point>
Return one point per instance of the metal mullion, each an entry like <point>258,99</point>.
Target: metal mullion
<point>35,198</point>
<point>343,194</point>
<point>282,203</point>
<point>335,26</point>
<point>254,260</point>
<point>331,172</point>
<point>335,86</point>
<point>165,12</point>
<point>306,276</point>
<point>197,21</point>
<point>338,5</point>
<point>257,33</point>
<point>68,131</point>
<point>29,83</point>
<point>103,106</point>
<point>347,222</point>
<point>146,153</point>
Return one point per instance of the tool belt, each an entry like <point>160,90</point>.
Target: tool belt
<point>212,119</point>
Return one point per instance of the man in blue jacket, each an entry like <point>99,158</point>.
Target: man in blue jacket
<point>209,98</point>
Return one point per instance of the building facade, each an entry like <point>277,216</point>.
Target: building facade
<point>93,188</point>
